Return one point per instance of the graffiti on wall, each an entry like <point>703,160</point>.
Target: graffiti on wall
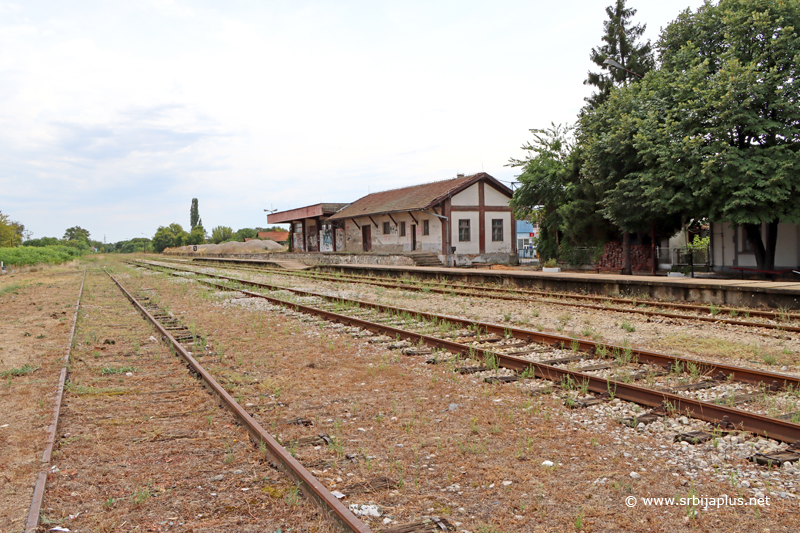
<point>339,239</point>
<point>297,242</point>
<point>326,240</point>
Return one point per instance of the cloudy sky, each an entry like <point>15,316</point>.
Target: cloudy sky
<point>114,115</point>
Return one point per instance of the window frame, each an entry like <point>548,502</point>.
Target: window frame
<point>497,237</point>
<point>426,229</point>
<point>402,229</point>
<point>387,228</point>
<point>464,225</point>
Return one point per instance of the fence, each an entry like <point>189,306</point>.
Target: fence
<point>527,256</point>
<point>684,256</point>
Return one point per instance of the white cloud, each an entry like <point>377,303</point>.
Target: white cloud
<point>116,114</point>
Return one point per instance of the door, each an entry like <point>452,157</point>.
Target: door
<point>413,237</point>
<point>366,237</point>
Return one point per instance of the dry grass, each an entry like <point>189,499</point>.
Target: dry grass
<point>394,414</point>
<point>142,451</point>
<point>37,312</point>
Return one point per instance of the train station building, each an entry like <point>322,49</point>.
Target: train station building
<point>460,221</point>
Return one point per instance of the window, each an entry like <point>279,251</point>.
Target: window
<point>386,228</point>
<point>402,229</point>
<point>463,230</point>
<point>497,229</point>
<point>426,230</point>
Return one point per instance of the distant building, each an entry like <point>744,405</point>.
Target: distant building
<point>526,233</point>
<point>469,214</point>
<point>277,236</point>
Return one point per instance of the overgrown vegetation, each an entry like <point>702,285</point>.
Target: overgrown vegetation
<point>30,255</point>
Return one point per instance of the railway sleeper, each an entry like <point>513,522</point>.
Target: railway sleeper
<point>297,421</point>
<point>696,437</point>
<point>788,455</point>
<point>471,369</point>
<point>647,418</point>
<point>314,440</point>
<point>501,379</point>
<point>580,403</point>
<point>426,525</point>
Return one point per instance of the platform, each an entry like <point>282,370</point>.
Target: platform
<point>732,292</point>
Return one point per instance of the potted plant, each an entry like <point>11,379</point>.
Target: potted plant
<point>551,266</point>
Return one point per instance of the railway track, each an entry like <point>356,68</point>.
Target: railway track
<point>41,481</point>
<point>534,354</point>
<point>780,320</point>
<point>327,503</point>
<point>106,393</point>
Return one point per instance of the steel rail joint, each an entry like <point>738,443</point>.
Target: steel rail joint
<point>311,487</point>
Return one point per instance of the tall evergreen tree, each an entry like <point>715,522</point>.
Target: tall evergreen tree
<point>621,44</point>
<point>194,214</point>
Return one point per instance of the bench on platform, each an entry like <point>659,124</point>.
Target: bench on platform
<point>771,273</point>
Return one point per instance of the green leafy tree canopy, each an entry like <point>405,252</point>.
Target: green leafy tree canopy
<point>221,234</point>
<point>721,133</point>
<point>76,233</point>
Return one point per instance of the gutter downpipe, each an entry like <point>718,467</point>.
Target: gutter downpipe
<point>449,248</point>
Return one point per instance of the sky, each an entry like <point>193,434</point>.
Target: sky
<point>114,115</point>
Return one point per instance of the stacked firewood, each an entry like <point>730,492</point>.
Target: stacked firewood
<point>641,257</point>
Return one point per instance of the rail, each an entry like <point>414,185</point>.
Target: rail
<point>330,506</point>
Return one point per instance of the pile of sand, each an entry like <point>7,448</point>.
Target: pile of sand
<point>254,246</point>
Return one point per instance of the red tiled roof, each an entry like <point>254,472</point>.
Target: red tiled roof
<point>277,236</point>
<point>412,198</point>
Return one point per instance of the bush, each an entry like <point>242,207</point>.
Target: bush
<point>35,255</point>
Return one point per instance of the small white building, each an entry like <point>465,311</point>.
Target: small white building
<point>470,215</point>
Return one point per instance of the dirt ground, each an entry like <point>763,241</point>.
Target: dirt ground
<point>143,447</point>
<point>36,312</point>
<point>476,454</point>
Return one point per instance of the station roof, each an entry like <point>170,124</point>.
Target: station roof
<point>414,198</point>
<point>311,211</point>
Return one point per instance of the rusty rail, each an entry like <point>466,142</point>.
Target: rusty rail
<point>758,424</point>
<point>747,375</point>
<point>330,506</point>
<point>509,294</point>
<point>41,480</point>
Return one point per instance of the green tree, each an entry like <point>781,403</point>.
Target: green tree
<point>722,135</point>
<point>554,192</point>
<point>11,232</point>
<point>179,233</point>
<point>43,241</point>
<point>620,44</point>
<point>245,233</point>
<point>612,161</point>
<point>164,238</point>
<point>197,235</point>
<point>221,234</point>
<point>76,233</point>
<point>194,214</point>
